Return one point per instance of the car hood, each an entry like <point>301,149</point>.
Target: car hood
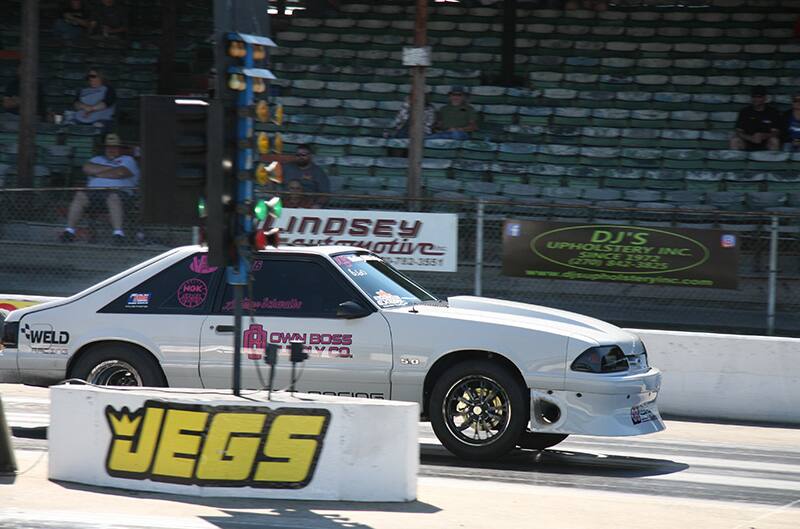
<point>540,317</point>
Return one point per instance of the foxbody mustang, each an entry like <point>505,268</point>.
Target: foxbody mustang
<point>489,374</point>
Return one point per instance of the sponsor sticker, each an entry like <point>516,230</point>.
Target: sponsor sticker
<point>642,413</point>
<point>318,345</point>
<point>139,300</point>
<point>728,240</point>
<point>192,293</point>
<point>229,446</point>
<point>43,335</point>
<point>385,299</point>
<point>199,265</point>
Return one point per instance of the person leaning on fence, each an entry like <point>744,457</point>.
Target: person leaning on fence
<point>117,174</point>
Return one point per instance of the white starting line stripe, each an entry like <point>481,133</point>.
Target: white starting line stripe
<point>27,420</point>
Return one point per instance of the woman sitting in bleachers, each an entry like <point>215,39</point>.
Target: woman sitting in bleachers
<point>95,104</point>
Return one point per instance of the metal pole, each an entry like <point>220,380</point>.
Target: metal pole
<point>28,88</point>
<point>479,250</point>
<point>773,275</point>
<point>237,338</point>
<point>508,49</point>
<point>416,126</point>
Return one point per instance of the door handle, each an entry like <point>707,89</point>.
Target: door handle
<point>224,329</point>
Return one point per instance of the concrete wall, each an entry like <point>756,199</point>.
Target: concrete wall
<point>723,376</point>
<point>190,442</point>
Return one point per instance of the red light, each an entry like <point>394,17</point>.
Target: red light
<point>260,240</point>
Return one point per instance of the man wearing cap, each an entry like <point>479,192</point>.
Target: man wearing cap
<point>311,176</point>
<point>111,176</point>
<point>457,119</point>
<point>758,125</point>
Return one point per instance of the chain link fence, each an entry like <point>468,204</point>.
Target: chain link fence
<point>35,261</point>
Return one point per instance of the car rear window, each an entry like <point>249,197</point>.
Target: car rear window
<point>184,288</point>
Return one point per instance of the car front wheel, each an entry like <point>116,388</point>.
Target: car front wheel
<point>478,410</point>
<point>118,364</point>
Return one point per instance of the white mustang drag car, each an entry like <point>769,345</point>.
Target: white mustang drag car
<point>489,374</point>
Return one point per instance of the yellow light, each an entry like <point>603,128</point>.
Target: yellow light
<point>259,86</point>
<point>236,82</point>
<point>263,143</point>
<point>237,49</point>
<point>275,170</point>
<point>278,143</point>
<point>259,53</point>
<point>278,115</point>
<point>262,111</point>
<point>262,175</point>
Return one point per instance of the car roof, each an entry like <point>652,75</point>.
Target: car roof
<point>304,250</point>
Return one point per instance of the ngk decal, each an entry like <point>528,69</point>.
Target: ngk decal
<point>409,241</point>
<point>321,345</point>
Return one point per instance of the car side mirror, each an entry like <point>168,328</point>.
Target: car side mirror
<point>351,310</point>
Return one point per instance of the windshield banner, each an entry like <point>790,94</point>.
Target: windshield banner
<point>621,254</point>
<point>408,241</point>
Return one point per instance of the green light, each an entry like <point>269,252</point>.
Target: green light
<point>201,207</point>
<point>275,207</point>
<point>260,210</point>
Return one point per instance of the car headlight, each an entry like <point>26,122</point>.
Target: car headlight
<point>601,359</point>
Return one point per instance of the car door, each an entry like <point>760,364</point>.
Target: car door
<point>295,298</point>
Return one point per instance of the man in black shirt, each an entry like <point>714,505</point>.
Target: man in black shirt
<point>758,125</point>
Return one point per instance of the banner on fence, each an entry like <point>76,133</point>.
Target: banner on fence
<point>409,241</point>
<point>624,254</point>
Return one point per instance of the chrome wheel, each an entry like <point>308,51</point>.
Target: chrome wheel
<point>114,373</point>
<point>477,410</point>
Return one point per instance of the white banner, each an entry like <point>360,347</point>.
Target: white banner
<point>408,241</point>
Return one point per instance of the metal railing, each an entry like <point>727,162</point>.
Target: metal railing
<point>34,261</point>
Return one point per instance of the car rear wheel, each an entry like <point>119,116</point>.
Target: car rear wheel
<point>540,441</point>
<point>118,364</point>
<point>478,410</point>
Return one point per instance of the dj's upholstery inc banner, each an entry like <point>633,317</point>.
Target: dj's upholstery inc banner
<point>426,242</point>
<point>622,254</point>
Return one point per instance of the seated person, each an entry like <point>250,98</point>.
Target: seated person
<point>74,20</point>
<point>109,20</point>
<point>311,176</point>
<point>294,198</point>
<point>12,100</point>
<point>791,127</point>
<point>111,170</point>
<point>95,104</point>
<point>758,125</point>
<point>456,119</point>
<point>403,120</point>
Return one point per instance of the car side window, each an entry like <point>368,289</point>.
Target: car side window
<point>186,287</point>
<point>297,288</point>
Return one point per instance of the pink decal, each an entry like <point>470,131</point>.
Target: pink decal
<point>266,303</point>
<point>200,265</point>
<point>257,266</point>
<point>343,260</point>
<point>192,293</point>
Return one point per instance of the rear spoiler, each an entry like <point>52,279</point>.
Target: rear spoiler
<point>9,302</point>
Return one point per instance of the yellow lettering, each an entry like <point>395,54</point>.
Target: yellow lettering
<point>292,447</point>
<point>180,443</point>
<point>227,453</point>
<point>133,439</point>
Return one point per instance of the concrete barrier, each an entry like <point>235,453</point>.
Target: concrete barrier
<point>214,444</point>
<point>724,376</point>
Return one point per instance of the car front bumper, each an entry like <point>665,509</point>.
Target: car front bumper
<point>606,406</point>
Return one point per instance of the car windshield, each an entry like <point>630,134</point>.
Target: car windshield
<point>385,285</point>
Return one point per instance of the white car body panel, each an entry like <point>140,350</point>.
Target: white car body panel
<point>389,353</point>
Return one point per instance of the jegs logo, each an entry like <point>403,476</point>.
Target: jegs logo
<point>229,446</point>
<point>45,336</point>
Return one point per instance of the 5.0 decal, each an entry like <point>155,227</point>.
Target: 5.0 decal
<point>229,446</point>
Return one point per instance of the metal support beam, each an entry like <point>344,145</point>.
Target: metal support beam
<point>416,128</point>
<point>772,278</point>
<point>28,88</point>
<point>508,48</point>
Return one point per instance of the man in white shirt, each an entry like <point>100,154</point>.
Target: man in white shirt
<point>111,175</point>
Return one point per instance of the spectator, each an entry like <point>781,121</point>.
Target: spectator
<point>791,127</point>
<point>758,125</point>
<point>95,104</point>
<point>109,20</point>
<point>294,197</point>
<point>311,176</point>
<point>73,21</point>
<point>11,97</point>
<point>456,119</point>
<point>118,175</point>
<point>401,121</point>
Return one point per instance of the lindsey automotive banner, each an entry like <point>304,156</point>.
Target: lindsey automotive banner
<point>409,241</point>
<point>625,254</point>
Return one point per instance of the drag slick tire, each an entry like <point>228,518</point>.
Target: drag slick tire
<point>540,441</point>
<point>118,364</point>
<point>478,410</point>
